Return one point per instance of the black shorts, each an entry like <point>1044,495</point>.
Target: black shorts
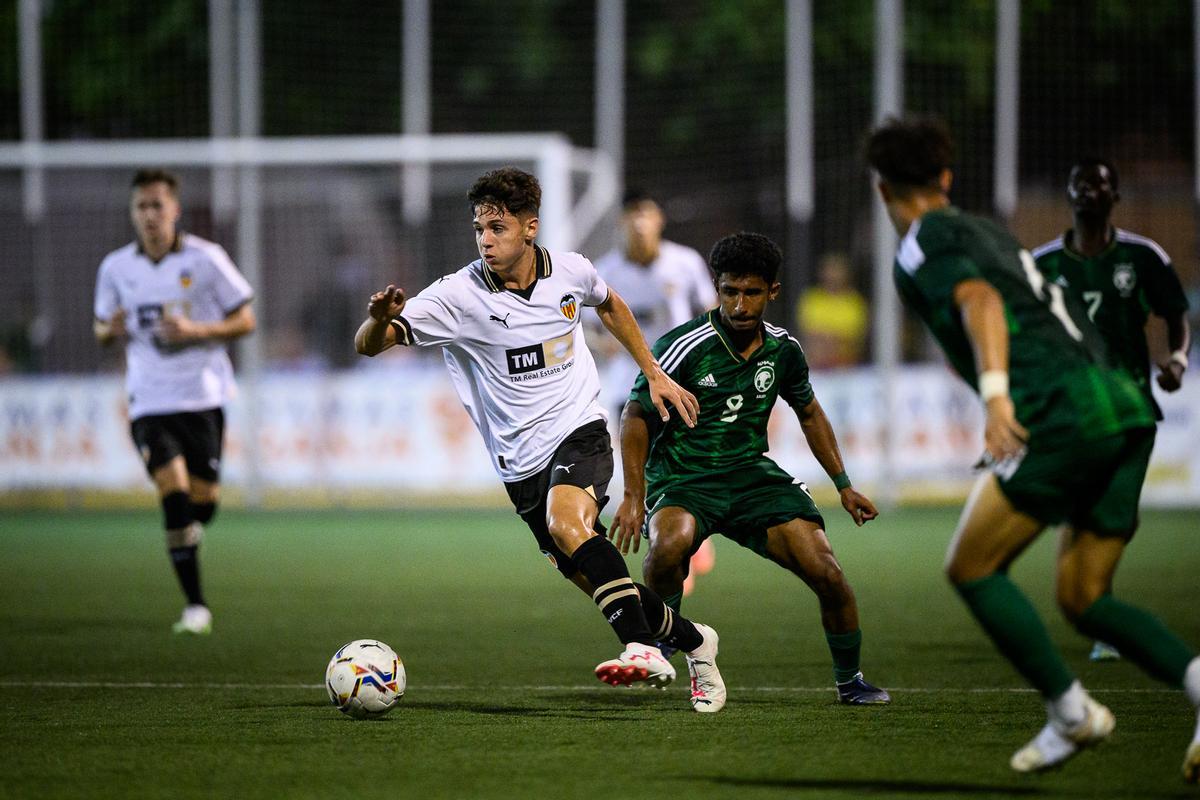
<point>195,435</point>
<point>584,459</point>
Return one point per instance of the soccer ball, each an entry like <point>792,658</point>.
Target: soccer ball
<point>365,678</point>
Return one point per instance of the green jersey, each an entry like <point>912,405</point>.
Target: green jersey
<point>736,396</point>
<point>1060,378</point>
<point>1120,287</point>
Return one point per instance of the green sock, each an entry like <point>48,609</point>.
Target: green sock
<point>1018,633</point>
<point>674,601</point>
<point>1140,636</point>
<point>845,648</point>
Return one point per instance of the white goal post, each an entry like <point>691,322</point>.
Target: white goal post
<point>567,217</point>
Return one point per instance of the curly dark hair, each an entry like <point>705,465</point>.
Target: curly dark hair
<point>746,254</point>
<point>506,189</point>
<point>148,177</point>
<point>910,152</point>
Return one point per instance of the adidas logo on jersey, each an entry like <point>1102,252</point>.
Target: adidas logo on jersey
<point>708,381</point>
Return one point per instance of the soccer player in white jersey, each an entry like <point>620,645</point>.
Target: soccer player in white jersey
<point>509,328</point>
<point>665,284</point>
<point>174,300</point>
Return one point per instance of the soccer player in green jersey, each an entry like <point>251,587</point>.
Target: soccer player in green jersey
<point>716,478</point>
<point>1122,278</point>
<point>1068,436</point>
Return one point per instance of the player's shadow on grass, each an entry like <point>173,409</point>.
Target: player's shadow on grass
<point>858,787</point>
<point>587,709</point>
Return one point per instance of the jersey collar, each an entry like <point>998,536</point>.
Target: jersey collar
<point>1069,237</point>
<point>176,247</point>
<point>714,319</point>
<point>542,267</point>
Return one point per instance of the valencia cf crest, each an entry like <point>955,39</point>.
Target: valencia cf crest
<point>568,306</point>
<point>185,278</point>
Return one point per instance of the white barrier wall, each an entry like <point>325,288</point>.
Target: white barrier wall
<point>404,429</point>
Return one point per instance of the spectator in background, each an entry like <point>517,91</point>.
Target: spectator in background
<point>665,284</point>
<point>832,316</point>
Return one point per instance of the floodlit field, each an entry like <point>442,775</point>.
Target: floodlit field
<point>100,700</point>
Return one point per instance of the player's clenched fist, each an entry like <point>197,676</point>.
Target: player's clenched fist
<point>386,304</point>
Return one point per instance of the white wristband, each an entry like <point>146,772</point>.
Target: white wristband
<point>1180,358</point>
<point>993,383</point>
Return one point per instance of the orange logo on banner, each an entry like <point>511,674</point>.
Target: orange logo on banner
<point>567,306</point>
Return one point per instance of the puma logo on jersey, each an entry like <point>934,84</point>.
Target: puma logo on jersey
<point>708,381</point>
<point>566,468</point>
<point>503,321</point>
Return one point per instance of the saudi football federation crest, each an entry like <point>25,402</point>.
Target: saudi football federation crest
<point>185,278</point>
<point>764,377</point>
<point>568,306</point>
<point>1125,279</point>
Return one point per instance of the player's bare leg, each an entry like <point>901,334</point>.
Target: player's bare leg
<point>570,517</point>
<point>1086,564</point>
<point>672,533</point>
<point>701,563</point>
<point>801,547</point>
<point>183,540</point>
<point>990,536</point>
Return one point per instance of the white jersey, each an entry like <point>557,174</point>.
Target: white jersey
<point>518,360</point>
<point>195,279</point>
<point>662,295</point>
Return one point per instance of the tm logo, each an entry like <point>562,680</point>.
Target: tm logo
<point>525,359</point>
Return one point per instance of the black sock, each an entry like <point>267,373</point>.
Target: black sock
<point>187,566</point>
<point>203,512</point>
<point>667,626</point>
<point>613,590</point>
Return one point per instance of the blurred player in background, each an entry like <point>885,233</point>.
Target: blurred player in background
<point>717,478</point>
<point>1067,436</point>
<point>665,285</point>
<point>174,300</point>
<point>1121,278</point>
<point>509,328</point>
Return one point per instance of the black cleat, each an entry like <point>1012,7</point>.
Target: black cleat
<point>857,692</point>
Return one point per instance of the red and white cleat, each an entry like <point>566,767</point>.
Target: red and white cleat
<point>640,663</point>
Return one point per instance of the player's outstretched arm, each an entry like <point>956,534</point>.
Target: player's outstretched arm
<point>1179,335</point>
<point>635,447</point>
<point>823,444</point>
<point>982,311</point>
<point>375,334</point>
<point>617,317</point>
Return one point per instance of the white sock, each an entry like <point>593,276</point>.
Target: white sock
<point>1191,681</point>
<point>1068,709</point>
<point>1053,745</point>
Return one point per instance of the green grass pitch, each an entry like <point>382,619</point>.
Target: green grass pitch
<point>100,700</point>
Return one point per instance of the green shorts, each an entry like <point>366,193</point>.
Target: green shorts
<point>739,505</point>
<point>1094,485</point>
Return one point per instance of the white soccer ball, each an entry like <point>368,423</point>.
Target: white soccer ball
<point>365,678</point>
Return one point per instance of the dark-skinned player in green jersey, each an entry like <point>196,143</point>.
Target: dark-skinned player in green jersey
<point>1122,278</point>
<point>1067,435</point>
<point>716,477</point>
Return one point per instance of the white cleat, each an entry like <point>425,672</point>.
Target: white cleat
<point>640,663</point>
<point>1052,746</point>
<point>708,689</point>
<point>1104,652</point>
<point>196,620</point>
